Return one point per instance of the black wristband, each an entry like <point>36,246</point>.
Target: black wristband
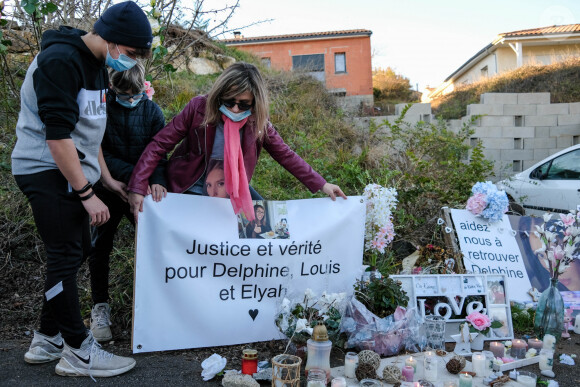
<point>84,189</point>
<point>83,198</point>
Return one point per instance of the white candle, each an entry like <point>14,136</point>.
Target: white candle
<point>411,362</point>
<point>478,362</point>
<point>549,342</point>
<point>577,324</point>
<point>465,380</point>
<point>527,381</point>
<point>546,360</point>
<point>430,367</point>
<point>350,363</point>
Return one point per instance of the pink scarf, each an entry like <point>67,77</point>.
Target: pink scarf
<point>235,171</point>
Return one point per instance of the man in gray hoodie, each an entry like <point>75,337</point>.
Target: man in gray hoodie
<point>57,158</point>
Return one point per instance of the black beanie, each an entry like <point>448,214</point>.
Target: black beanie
<point>125,23</point>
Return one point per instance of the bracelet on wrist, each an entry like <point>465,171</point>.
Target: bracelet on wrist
<point>83,198</point>
<point>84,189</point>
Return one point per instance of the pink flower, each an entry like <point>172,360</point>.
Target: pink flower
<point>477,203</point>
<point>379,244</point>
<point>478,321</point>
<point>149,90</point>
<point>567,219</point>
<point>559,253</point>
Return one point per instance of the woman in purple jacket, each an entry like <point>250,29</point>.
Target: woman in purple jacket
<point>229,124</point>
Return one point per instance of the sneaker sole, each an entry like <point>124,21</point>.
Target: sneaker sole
<point>67,370</point>
<point>102,339</point>
<point>38,359</point>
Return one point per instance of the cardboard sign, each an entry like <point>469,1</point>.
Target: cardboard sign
<point>454,296</point>
<point>491,248</point>
<point>201,281</point>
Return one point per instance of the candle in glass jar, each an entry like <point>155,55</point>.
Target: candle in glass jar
<point>535,344</point>
<point>577,324</point>
<point>350,363</point>
<point>518,349</point>
<point>411,362</point>
<point>478,362</point>
<point>546,360</point>
<point>465,380</point>
<point>489,360</point>
<point>408,373</point>
<point>430,367</point>
<point>497,348</point>
<point>549,342</point>
<point>338,382</point>
<point>527,379</point>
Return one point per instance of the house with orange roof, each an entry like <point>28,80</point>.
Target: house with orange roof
<point>510,50</point>
<point>339,59</point>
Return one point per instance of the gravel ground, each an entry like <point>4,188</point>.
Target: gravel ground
<point>182,368</point>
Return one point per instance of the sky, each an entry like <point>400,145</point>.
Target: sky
<point>423,40</point>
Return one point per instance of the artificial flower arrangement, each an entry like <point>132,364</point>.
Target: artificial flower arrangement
<point>559,240</point>
<point>480,323</point>
<point>296,320</point>
<point>379,228</point>
<point>487,202</point>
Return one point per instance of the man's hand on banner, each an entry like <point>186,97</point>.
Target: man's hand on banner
<point>136,204</point>
<point>333,190</point>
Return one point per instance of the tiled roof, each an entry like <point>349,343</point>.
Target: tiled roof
<point>310,35</point>
<point>564,29</point>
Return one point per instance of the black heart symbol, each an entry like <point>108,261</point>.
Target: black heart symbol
<point>253,313</point>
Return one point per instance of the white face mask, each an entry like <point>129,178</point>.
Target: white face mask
<point>236,117</point>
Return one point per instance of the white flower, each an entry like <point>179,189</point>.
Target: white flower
<point>498,361</point>
<point>285,307</point>
<point>547,216</point>
<point>310,295</point>
<point>301,325</point>
<point>531,353</point>
<point>155,27</point>
<point>508,343</point>
<point>156,42</point>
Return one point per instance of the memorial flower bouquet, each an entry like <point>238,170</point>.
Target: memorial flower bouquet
<point>296,319</point>
<point>480,323</point>
<point>379,228</point>
<point>487,201</point>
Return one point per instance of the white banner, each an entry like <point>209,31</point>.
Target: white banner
<point>491,248</point>
<point>200,282</point>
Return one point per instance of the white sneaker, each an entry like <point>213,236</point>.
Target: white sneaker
<point>101,322</point>
<point>91,360</point>
<point>44,348</point>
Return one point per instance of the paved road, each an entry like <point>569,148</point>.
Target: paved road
<point>175,368</point>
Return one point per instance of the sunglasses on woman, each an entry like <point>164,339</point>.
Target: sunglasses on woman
<point>126,97</point>
<point>230,103</point>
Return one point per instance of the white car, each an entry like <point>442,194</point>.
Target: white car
<point>551,185</point>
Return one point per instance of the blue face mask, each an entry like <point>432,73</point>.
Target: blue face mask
<point>236,117</point>
<point>122,63</point>
<point>127,104</point>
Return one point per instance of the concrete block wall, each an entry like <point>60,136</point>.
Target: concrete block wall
<point>518,129</point>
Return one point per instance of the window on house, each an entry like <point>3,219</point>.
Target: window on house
<point>575,140</point>
<point>519,121</point>
<point>340,62</point>
<point>484,71</point>
<point>518,143</point>
<point>310,63</point>
<point>518,165</point>
<point>473,141</point>
<point>266,62</point>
